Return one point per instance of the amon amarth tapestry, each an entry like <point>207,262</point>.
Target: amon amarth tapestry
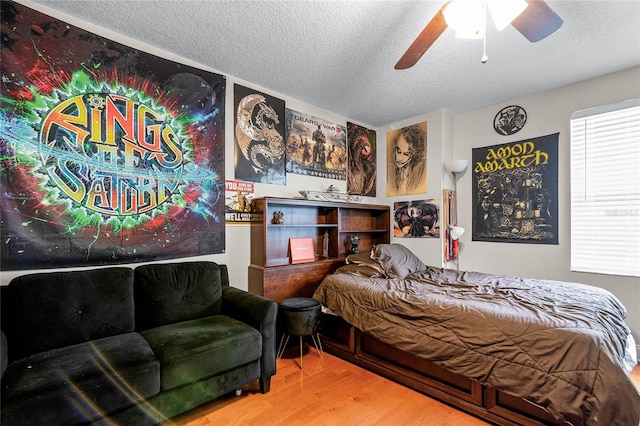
<point>108,154</point>
<point>515,191</point>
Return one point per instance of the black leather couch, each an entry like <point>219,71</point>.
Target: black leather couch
<point>129,346</point>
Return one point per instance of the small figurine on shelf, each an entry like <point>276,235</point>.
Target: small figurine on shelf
<point>354,240</point>
<point>325,245</point>
<point>278,218</point>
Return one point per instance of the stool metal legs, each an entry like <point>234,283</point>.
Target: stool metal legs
<point>282,346</point>
<point>316,342</point>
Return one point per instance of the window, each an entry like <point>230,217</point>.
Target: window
<point>605,189</point>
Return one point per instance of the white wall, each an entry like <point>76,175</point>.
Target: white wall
<point>547,113</point>
<point>439,147</point>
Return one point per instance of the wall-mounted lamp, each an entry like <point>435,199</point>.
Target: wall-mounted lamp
<point>454,232</point>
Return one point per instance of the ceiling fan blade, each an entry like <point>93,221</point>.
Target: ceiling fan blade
<point>423,42</point>
<point>538,21</point>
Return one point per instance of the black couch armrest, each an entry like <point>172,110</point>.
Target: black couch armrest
<point>4,352</point>
<point>260,313</point>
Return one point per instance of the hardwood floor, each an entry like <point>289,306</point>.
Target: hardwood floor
<point>330,391</point>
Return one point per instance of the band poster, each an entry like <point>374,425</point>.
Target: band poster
<point>515,191</point>
<point>362,170</point>
<point>315,147</point>
<point>259,137</point>
<point>109,154</point>
<point>416,219</point>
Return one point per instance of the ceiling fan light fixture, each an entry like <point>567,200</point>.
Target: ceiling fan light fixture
<point>505,11</point>
<point>465,17</point>
<point>470,33</point>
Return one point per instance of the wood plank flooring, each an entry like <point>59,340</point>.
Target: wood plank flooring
<point>329,391</point>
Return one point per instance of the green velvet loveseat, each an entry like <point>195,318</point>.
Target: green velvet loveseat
<point>126,346</point>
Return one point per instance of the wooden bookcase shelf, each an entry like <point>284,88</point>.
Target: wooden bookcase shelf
<point>271,273</point>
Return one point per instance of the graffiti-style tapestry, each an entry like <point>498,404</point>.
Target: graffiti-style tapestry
<point>362,170</point>
<point>515,191</point>
<point>315,147</point>
<point>407,160</point>
<point>109,154</point>
<point>416,219</point>
<point>259,137</point>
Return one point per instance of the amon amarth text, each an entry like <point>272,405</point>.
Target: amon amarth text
<point>109,154</point>
<point>515,191</point>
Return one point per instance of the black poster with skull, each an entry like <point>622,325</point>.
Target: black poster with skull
<point>259,137</point>
<point>515,191</point>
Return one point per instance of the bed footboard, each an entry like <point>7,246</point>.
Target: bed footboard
<point>347,342</point>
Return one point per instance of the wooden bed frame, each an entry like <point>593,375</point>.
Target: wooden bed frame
<point>347,342</point>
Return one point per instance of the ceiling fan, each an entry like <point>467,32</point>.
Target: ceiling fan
<point>533,18</point>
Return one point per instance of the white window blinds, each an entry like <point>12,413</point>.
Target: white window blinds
<point>605,189</point>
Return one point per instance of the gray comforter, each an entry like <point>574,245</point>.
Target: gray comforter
<point>560,345</point>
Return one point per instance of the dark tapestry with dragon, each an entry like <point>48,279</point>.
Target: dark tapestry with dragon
<point>259,137</point>
<point>362,171</point>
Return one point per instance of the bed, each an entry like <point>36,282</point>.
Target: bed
<point>561,349</point>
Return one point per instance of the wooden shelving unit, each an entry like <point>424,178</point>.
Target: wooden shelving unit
<point>271,273</point>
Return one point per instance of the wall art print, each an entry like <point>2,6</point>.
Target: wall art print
<point>239,202</point>
<point>407,160</point>
<point>108,154</point>
<point>416,219</point>
<point>515,191</point>
<point>510,120</point>
<point>315,147</point>
<point>259,137</point>
<point>362,170</point>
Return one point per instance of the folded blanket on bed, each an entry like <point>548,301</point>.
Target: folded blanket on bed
<point>560,345</point>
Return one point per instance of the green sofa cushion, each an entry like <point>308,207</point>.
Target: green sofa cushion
<point>173,292</point>
<point>79,382</point>
<point>194,350</point>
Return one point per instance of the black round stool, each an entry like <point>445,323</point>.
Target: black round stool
<point>299,316</point>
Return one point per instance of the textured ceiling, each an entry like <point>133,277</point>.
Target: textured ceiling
<point>339,55</point>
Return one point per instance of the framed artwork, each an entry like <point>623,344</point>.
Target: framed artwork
<point>109,154</point>
<point>315,147</point>
<point>407,160</point>
<point>416,219</point>
<point>259,137</point>
<point>239,202</point>
<point>515,191</point>
<point>362,171</point>
<point>451,246</point>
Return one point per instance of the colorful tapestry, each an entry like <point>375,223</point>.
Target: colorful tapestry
<point>315,147</point>
<point>259,137</point>
<point>515,191</point>
<point>362,170</point>
<point>109,154</point>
